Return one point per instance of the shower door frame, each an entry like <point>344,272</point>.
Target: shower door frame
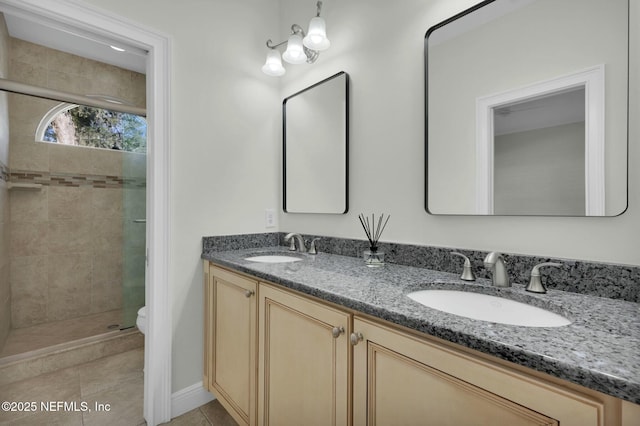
<point>89,19</point>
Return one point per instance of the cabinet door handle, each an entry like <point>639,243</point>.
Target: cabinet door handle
<point>249,293</point>
<point>337,331</point>
<point>356,338</point>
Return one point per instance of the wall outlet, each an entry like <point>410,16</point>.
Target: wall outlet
<point>270,218</point>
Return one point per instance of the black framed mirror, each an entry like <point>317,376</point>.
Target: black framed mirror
<point>527,109</point>
<point>315,147</point>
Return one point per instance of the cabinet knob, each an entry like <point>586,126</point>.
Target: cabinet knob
<point>249,293</point>
<point>356,338</point>
<point>337,331</point>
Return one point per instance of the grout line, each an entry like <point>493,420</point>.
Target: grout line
<point>205,416</point>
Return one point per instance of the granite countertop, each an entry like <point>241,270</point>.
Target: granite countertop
<point>600,349</point>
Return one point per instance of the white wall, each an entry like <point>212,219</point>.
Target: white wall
<point>540,171</point>
<point>380,45</point>
<point>225,130</point>
<point>226,140</point>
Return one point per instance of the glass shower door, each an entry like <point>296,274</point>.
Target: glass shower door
<point>134,168</point>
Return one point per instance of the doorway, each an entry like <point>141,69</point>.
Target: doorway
<point>71,14</point>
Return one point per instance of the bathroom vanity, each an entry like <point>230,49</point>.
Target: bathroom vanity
<point>326,340</point>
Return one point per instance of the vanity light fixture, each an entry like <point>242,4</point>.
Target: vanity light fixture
<point>301,47</point>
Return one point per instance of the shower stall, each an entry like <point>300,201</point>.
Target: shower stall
<point>72,216</point>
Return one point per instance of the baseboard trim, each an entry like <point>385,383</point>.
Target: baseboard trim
<point>188,399</point>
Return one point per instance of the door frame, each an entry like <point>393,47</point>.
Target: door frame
<point>89,19</point>
<point>593,81</point>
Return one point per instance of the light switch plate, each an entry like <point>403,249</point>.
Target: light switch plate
<point>270,218</point>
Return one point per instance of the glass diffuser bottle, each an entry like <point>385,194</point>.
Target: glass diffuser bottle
<point>373,257</point>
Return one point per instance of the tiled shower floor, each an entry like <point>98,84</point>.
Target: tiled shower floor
<point>23,340</point>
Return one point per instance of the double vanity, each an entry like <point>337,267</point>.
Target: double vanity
<point>295,338</point>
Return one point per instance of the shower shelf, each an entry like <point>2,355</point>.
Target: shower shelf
<point>24,186</point>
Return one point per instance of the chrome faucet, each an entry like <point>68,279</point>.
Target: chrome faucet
<point>297,243</point>
<point>494,262</point>
<point>296,238</point>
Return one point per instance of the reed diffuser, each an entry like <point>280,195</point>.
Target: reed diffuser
<point>373,257</point>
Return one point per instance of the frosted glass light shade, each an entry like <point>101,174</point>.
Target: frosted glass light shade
<point>316,38</point>
<point>273,65</point>
<point>294,53</point>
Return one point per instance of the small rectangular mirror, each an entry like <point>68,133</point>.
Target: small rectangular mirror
<point>315,147</point>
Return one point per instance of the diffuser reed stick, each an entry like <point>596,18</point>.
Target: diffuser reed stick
<point>372,229</point>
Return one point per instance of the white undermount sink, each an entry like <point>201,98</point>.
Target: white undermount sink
<point>484,307</point>
<point>272,258</point>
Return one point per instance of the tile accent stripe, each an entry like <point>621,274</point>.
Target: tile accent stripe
<point>76,180</point>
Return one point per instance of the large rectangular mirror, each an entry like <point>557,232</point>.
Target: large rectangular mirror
<point>315,147</point>
<point>526,109</point>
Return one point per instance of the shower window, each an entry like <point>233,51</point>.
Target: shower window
<point>80,125</point>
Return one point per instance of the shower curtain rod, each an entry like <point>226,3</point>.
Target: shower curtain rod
<point>55,95</point>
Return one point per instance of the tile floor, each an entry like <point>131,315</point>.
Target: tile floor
<point>211,414</point>
<point>116,380</point>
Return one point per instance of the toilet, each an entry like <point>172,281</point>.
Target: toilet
<point>141,321</point>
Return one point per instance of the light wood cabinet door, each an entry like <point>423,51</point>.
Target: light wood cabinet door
<point>402,380</point>
<point>303,361</point>
<point>232,343</point>
<point>630,414</point>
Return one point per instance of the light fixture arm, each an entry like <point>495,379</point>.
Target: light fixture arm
<point>312,55</point>
<point>319,8</point>
<point>270,44</point>
<point>295,29</point>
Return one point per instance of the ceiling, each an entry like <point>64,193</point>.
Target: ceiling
<point>554,109</point>
<point>77,42</point>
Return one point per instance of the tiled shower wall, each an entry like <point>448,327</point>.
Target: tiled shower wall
<point>66,238</point>
<point>5,287</point>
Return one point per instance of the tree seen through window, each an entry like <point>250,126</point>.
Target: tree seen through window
<point>98,128</point>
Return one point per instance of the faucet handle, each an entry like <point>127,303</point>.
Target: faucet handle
<point>535,283</point>
<point>467,272</point>
<point>292,242</point>
<point>312,246</point>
